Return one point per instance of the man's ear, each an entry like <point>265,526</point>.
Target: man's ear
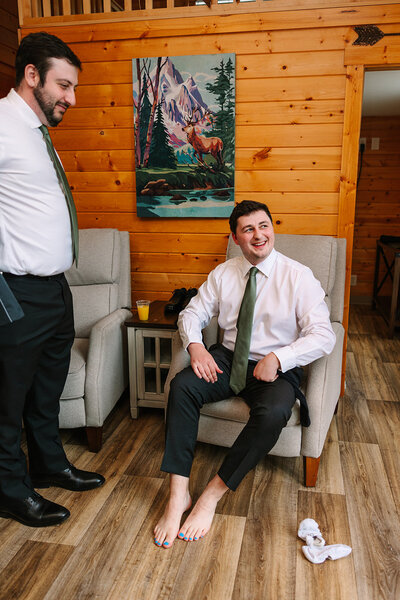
<point>235,239</point>
<point>31,76</point>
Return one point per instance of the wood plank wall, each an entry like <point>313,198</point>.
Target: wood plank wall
<point>8,44</point>
<point>289,129</point>
<point>378,200</point>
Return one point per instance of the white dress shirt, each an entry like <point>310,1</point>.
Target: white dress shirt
<point>291,317</point>
<point>35,229</point>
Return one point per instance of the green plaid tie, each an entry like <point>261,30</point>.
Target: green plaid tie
<point>244,326</point>
<point>66,189</point>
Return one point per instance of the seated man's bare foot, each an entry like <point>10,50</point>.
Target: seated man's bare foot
<point>200,519</point>
<point>167,528</point>
<point>198,522</point>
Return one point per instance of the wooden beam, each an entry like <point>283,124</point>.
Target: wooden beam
<point>348,178</point>
<point>46,9</point>
<point>66,7</point>
<point>200,20</point>
<point>24,11</point>
<point>382,54</point>
<point>86,7</point>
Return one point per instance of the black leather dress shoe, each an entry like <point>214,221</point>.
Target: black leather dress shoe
<point>69,479</point>
<point>34,511</point>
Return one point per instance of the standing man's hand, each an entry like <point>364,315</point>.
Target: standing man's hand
<point>267,368</point>
<point>203,364</point>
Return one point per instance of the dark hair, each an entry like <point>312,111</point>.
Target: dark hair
<point>37,49</point>
<point>245,208</point>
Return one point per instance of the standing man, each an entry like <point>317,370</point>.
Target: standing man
<point>38,242</point>
<point>275,320</point>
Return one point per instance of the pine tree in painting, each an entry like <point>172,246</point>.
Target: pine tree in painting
<point>222,88</point>
<point>161,153</point>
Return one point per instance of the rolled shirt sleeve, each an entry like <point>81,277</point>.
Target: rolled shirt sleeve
<point>316,337</point>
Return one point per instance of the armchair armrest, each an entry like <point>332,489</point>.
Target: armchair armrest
<point>180,358</point>
<point>106,367</point>
<point>322,393</point>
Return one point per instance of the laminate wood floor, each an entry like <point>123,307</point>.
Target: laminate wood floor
<point>105,549</point>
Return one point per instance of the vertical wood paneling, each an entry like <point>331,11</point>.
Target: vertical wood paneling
<point>8,44</point>
<point>378,199</point>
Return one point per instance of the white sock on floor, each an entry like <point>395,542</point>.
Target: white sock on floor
<point>310,533</point>
<point>318,555</point>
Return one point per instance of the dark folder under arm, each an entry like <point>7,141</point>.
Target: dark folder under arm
<point>10,310</point>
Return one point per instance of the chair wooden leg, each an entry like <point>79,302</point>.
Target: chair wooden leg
<point>311,466</point>
<point>95,438</point>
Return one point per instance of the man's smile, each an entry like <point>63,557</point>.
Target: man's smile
<point>62,106</point>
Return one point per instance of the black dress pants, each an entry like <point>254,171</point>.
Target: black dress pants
<point>270,406</point>
<point>34,360</point>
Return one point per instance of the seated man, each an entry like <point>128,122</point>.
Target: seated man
<point>272,311</point>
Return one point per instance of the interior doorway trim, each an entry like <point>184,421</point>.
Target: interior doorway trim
<point>357,59</point>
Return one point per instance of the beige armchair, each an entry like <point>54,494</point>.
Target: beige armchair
<point>98,371</point>
<point>221,422</point>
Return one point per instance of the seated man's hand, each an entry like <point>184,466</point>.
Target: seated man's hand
<point>266,368</point>
<point>203,364</point>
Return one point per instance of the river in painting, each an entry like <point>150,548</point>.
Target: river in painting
<point>187,203</point>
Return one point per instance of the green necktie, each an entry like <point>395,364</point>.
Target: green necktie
<point>244,327</point>
<point>66,189</point>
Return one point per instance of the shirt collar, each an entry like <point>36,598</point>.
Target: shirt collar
<point>25,111</point>
<point>265,266</point>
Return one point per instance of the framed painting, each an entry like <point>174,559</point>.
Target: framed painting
<point>184,117</point>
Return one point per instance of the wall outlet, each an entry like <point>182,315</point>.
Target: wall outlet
<point>353,280</point>
<point>375,143</point>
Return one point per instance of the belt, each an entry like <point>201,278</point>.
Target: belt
<point>39,277</point>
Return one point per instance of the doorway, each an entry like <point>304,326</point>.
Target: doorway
<point>377,210</point>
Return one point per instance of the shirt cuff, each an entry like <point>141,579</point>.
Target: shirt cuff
<point>186,340</point>
<point>286,357</point>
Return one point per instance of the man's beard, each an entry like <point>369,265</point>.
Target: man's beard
<point>47,106</point>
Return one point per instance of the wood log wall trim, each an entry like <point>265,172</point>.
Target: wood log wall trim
<point>156,23</point>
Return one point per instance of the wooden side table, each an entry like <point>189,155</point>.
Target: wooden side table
<point>388,248</point>
<point>149,354</point>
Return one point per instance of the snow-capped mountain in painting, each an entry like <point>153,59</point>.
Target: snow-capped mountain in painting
<point>179,98</point>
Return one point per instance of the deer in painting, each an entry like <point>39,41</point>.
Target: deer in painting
<point>200,143</point>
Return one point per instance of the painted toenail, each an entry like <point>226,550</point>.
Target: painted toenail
<point>181,535</point>
<point>185,538</point>
<point>190,539</point>
<point>166,543</point>
<point>195,539</point>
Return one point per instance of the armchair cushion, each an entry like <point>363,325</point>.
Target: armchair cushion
<point>91,303</point>
<point>101,263</point>
<point>75,384</point>
<point>239,411</point>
